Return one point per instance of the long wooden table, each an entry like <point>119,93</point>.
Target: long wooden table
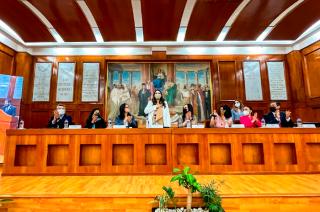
<point>157,151</point>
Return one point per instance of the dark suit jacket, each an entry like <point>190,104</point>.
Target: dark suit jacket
<point>99,124</point>
<point>60,122</point>
<point>271,119</point>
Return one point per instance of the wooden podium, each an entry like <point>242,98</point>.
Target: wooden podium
<point>6,122</point>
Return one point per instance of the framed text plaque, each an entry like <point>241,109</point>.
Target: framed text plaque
<point>252,80</point>
<point>277,80</point>
<point>65,85</point>
<point>90,82</point>
<point>41,83</point>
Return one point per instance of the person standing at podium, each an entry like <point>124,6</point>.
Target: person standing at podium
<point>59,117</point>
<point>158,112</point>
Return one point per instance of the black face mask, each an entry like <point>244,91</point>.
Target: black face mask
<point>273,109</point>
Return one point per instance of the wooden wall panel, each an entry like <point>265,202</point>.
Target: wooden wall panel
<point>227,79</point>
<point>226,76</point>
<point>304,74</point>
<point>312,74</point>
<point>6,60</point>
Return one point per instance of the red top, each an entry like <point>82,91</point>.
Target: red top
<point>247,122</point>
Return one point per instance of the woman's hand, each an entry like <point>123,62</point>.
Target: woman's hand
<point>94,119</point>
<point>129,119</point>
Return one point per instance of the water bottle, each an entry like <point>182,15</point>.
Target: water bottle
<point>188,124</point>
<point>125,123</point>
<point>21,124</point>
<point>263,123</point>
<point>66,123</point>
<point>147,123</point>
<point>109,123</point>
<point>93,126</point>
<point>299,122</point>
<point>179,123</point>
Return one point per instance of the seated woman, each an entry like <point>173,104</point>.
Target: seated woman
<point>95,120</point>
<point>158,111</point>
<point>248,120</point>
<point>187,115</point>
<point>223,119</point>
<point>125,117</point>
<point>237,111</point>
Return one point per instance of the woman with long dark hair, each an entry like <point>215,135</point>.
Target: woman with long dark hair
<point>187,115</point>
<point>95,120</point>
<point>158,111</point>
<point>125,117</point>
<point>221,119</point>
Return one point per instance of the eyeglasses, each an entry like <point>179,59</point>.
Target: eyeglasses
<point>157,93</point>
<point>126,107</point>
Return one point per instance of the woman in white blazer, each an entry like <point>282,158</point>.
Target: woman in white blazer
<point>158,112</point>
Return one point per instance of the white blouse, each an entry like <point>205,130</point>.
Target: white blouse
<point>150,109</point>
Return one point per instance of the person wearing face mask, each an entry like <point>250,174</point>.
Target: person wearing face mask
<point>248,120</point>
<point>59,117</point>
<point>275,116</point>
<point>236,111</point>
<point>158,111</point>
<point>187,115</point>
<point>125,117</point>
<point>222,119</point>
<point>8,108</point>
<point>95,120</point>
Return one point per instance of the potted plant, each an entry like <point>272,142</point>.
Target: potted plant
<point>188,181</point>
<point>211,198</point>
<point>4,201</point>
<point>165,198</point>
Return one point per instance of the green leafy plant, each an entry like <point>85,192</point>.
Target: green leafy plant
<point>166,198</point>
<point>211,198</point>
<point>188,181</point>
<point>3,201</point>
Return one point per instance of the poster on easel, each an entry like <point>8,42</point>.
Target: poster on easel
<point>10,100</point>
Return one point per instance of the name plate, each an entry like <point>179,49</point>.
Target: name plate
<point>119,126</point>
<point>75,126</point>
<point>198,126</point>
<point>237,126</point>
<point>272,126</point>
<point>308,126</point>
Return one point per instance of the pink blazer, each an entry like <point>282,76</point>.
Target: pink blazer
<point>247,122</point>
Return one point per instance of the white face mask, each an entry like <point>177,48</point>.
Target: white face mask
<point>237,104</point>
<point>61,111</point>
<point>157,96</point>
<point>245,112</point>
